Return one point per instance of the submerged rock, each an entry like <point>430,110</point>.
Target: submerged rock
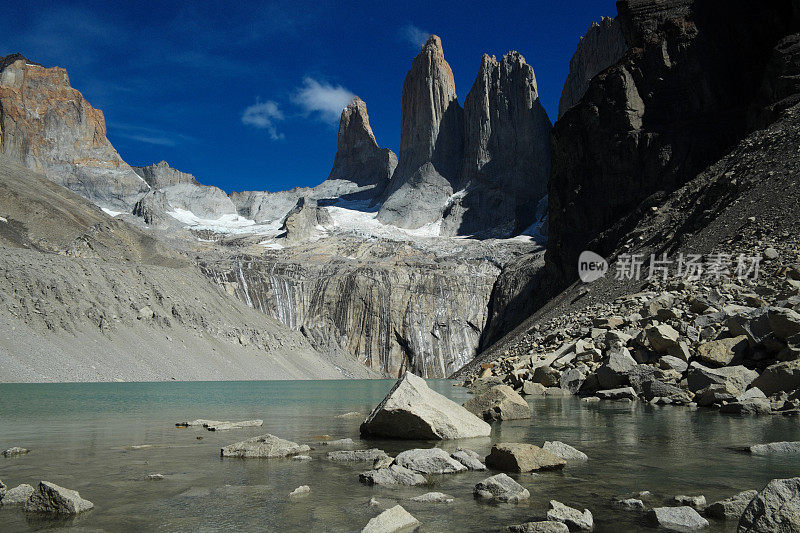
<point>500,402</point>
<point>501,488</point>
<point>50,498</point>
<point>264,446</point>
<point>573,518</point>
<point>412,410</point>
<point>434,497</point>
<point>698,502</point>
<point>16,450</point>
<point>676,518</point>
<point>544,526</point>
<point>775,447</point>
<point>391,520</point>
<point>521,457</point>
<point>354,456</point>
<point>776,509</point>
<point>429,461</point>
<point>393,475</point>
<point>630,504</point>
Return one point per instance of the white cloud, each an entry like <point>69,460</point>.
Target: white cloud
<point>414,35</point>
<point>322,98</point>
<point>263,115</point>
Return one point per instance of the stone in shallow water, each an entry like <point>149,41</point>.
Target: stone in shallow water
<point>155,477</point>
<point>434,497</point>
<point>17,496</point>
<point>502,488</point>
<point>573,518</point>
<point>521,457</point>
<point>565,451</point>
<point>264,446</point>
<point>429,461</point>
<point>629,504</point>
<point>350,415</point>
<point>50,498</point>
<point>545,526</point>
<point>698,502</point>
<point>676,518</point>
<point>775,509</point>
<point>356,456</point>
<point>302,490</point>
<point>469,458</point>
<point>730,508</point>
<point>500,402</point>
<point>16,450</point>
<point>394,519</point>
<point>412,410</point>
<point>393,475</point>
<point>338,442</point>
<point>623,393</point>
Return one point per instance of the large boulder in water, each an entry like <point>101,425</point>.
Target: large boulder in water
<point>521,457</point>
<point>50,498</point>
<point>429,461</point>
<point>264,446</point>
<point>776,509</point>
<point>501,402</point>
<point>394,519</point>
<point>412,410</point>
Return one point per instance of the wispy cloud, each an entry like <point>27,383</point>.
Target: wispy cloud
<point>322,99</point>
<point>144,134</point>
<point>264,115</point>
<point>414,35</point>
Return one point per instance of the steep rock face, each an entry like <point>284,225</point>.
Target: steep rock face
<point>160,175</point>
<point>506,161</point>
<point>205,201</point>
<point>50,128</point>
<point>602,46</point>
<point>263,206</point>
<point>359,161</point>
<point>677,101</point>
<point>430,142</point>
<point>393,307</point>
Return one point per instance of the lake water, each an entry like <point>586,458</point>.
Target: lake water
<point>81,437</point>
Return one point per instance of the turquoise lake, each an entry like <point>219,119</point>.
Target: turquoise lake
<point>81,437</point>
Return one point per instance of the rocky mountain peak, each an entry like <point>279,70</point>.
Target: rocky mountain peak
<point>602,46</point>
<point>506,160</point>
<point>430,141</point>
<point>160,175</point>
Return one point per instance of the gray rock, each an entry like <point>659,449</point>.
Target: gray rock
<point>734,377</point>
<point>602,46</point>
<point>529,388</point>
<point>730,508</point>
<point>521,457</point>
<point>669,362</point>
<point>303,221</point>
<point>547,376</point>
<point>16,496</point>
<point>469,459</point>
<point>565,451</point>
<point>662,337</point>
<point>213,425</point>
<point>500,402</point>
<point>411,410</point>
<point>431,134</point>
<point>360,163</point>
<point>160,175</point>
<point>573,518</point>
<point>502,488</point>
<point>433,497</point>
<point>391,520</point>
<point>630,504</point>
<point>784,322</point>
<point>715,394</point>
<point>775,509</point>
<point>753,324</point>
<point>263,446</point>
<point>655,388</point>
<point>355,456</point>
<point>394,475</point>
<point>302,490</point>
<point>676,518</point>
<point>614,373</point>
<point>15,451</point>
<point>429,461</point>
<point>721,352</point>
<point>697,502</point>
<point>301,458</point>
<point>572,379</point>
<point>775,448</point>
<point>155,477</point>
<point>543,526</point>
<point>50,498</point>
<point>779,377</point>
<point>382,462</point>
<point>153,208</point>
<point>752,406</point>
<point>338,442</point>
<point>623,393</point>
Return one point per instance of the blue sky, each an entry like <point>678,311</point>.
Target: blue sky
<point>246,96</point>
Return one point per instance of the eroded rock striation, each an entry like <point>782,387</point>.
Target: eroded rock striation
<point>50,128</point>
